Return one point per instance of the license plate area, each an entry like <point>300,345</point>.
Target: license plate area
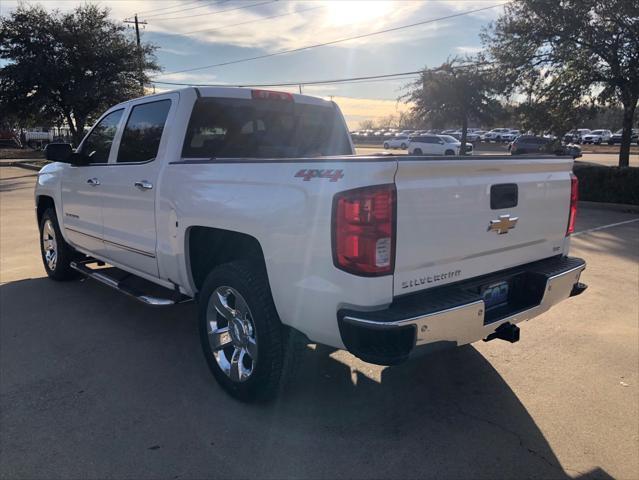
<point>495,294</point>
<point>511,295</point>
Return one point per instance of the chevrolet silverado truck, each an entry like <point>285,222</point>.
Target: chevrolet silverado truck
<point>252,203</point>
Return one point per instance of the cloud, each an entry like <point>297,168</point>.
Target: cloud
<point>468,50</point>
<point>357,109</point>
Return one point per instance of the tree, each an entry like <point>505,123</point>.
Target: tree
<point>456,92</point>
<point>569,52</point>
<point>68,67</point>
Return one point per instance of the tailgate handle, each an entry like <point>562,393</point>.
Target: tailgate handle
<point>504,195</point>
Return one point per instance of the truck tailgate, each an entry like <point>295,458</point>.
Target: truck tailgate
<point>444,215</point>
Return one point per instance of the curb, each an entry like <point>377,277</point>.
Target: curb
<point>18,164</point>
<point>617,207</point>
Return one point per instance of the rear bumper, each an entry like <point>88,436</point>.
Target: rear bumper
<point>455,315</point>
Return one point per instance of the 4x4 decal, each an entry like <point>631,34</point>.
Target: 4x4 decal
<point>307,174</point>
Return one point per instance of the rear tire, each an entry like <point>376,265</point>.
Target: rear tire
<point>386,146</point>
<point>417,151</point>
<point>403,145</point>
<point>242,338</point>
<point>57,254</point>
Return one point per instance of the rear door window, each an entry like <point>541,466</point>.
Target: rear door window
<point>143,132</point>
<point>243,128</point>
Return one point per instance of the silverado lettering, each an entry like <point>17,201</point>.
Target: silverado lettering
<point>430,279</point>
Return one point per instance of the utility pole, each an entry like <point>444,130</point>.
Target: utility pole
<point>300,85</point>
<point>137,36</point>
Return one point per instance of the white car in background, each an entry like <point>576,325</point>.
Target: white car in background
<point>597,137</point>
<point>400,141</point>
<point>436,145</point>
<point>496,135</point>
<point>510,136</point>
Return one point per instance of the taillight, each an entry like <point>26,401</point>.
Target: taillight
<point>364,230</point>
<point>574,198</point>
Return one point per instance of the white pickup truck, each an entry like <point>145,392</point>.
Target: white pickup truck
<point>252,203</point>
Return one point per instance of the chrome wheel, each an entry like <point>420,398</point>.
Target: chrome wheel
<point>49,245</point>
<point>231,333</point>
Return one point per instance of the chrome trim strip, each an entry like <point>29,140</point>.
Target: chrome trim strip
<point>119,245</point>
<point>464,324</point>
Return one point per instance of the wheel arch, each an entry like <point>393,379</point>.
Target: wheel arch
<point>208,247</point>
<point>43,202</point>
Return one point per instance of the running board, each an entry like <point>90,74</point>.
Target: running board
<point>102,276</point>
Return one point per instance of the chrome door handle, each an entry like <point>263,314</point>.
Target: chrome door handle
<point>144,185</point>
<point>93,182</point>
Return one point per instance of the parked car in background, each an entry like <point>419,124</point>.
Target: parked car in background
<point>575,136</point>
<point>510,135</point>
<point>400,141</point>
<point>532,144</point>
<point>616,137</point>
<point>597,137</point>
<point>436,145</point>
<point>496,135</point>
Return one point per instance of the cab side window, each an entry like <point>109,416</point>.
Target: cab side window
<point>143,132</point>
<point>97,145</point>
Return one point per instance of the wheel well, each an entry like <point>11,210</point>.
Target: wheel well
<point>43,203</point>
<point>209,247</point>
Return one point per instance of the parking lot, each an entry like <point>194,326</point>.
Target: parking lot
<point>95,385</point>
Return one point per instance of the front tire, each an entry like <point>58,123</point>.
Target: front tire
<point>242,339</point>
<point>449,152</point>
<point>386,146</point>
<point>57,254</point>
<point>403,145</point>
<point>417,151</point>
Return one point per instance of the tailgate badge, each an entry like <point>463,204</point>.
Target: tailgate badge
<point>503,224</point>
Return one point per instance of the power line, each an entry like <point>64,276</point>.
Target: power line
<point>180,10</point>
<point>216,11</point>
<point>333,42</point>
<point>247,22</point>
<point>167,8</point>
<point>386,77</point>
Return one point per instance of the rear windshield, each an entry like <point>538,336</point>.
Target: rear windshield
<point>239,128</point>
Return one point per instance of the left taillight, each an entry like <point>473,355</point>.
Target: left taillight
<point>574,198</point>
<point>364,230</point>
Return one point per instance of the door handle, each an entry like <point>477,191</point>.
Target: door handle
<point>93,182</point>
<point>144,185</point>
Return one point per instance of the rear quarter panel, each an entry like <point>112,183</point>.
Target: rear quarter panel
<point>291,219</point>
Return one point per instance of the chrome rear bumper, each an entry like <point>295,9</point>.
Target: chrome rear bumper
<point>461,320</point>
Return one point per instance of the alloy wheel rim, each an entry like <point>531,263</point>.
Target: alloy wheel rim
<point>49,245</point>
<point>231,333</point>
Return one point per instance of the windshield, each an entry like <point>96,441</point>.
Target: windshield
<point>448,139</point>
<point>242,128</point>
<point>597,132</point>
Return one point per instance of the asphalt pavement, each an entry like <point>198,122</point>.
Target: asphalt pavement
<point>95,385</point>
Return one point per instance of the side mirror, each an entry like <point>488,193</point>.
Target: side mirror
<point>59,152</point>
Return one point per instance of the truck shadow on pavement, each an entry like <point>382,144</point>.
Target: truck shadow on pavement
<point>96,385</point>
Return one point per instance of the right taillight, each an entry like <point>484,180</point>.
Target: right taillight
<point>574,198</point>
<point>364,230</point>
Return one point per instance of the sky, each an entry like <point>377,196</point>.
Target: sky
<point>195,33</point>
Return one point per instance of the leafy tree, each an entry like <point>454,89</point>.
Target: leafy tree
<point>68,67</point>
<point>565,53</point>
<point>457,92</point>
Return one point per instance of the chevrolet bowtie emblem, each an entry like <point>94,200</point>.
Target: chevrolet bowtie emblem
<point>503,224</point>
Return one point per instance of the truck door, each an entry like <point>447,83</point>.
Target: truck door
<point>130,186</point>
<point>82,186</point>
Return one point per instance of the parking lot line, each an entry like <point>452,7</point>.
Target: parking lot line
<point>604,227</point>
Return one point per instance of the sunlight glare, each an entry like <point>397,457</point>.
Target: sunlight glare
<point>349,12</point>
